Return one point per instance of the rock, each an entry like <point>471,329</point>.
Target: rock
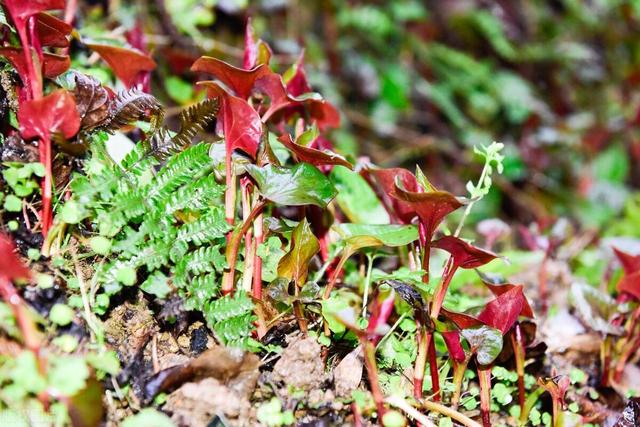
<point>301,365</point>
<point>348,374</point>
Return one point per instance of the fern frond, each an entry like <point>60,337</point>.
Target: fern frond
<point>203,260</point>
<point>130,106</point>
<point>193,120</point>
<point>203,230</point>
<point>180,170</point>
<point>231,317</point>
<point>200,290</point>
<point>196,195</point>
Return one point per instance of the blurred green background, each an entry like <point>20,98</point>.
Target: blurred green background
<point>422,82</point>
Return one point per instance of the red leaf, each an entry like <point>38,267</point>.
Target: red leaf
<point>298,84</point>
<point>21,10</point>
<point>127,64</point>
<point>431,207</point>
<point>386,178</point>
<point>241,125</point>
<point>498,290</point>
<point>319,110</point>
<point>250,58</point>
<point>630,283</point>
<point>464,254</point>
<point>240,81</point>
<point>53,66</point>
<point>452,341</point>
<point>52,31</point>
<point>55,112</point>
<point>503,312</point>
<point>630,263</point>
<point>461,320</point>
<point>10,265</point>
<point>313,156</point>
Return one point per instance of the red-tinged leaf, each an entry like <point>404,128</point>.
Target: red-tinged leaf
<point>464,254</point>
<point>240,81</point>
<point>297,83</point>
<point>386,179</point>
<point>271,84</point>
<point>630,284</point>
<point>431,207</point>
<point>179,60</point>
<point>461,320</point>
<point>294,265</point>
<point>498,290</point>
<point>55,112</point>
<point>241,125</point>
<point>21,10</point>
<point>324,114</point>
<point>10,265</point>
<point>503,312</point>
<point>313,156</point>
<point>452,341</point>
<point>52,31</point>
<point>250,57</point>
<point>556,385</point>
<point>630,263</point>
<point>127,64</point>
<point>53,65</point>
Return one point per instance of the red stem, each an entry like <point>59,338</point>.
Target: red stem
<point>372,373</point>
<point>520,354</point>
<point>234,246</point>
<point>484,376</point>
<point>441,290</point>
<point>423,337</point>
<point>433,369</point>
<point>258,233</point>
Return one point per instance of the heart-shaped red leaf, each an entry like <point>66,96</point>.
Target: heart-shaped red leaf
<point>240,81</point>
<point>52,31</point>
<point>241,125</point>
<point>498,290</point>
<point>502,312</point>
<point>53,65</point>
<point>10,265</point>
<point>431,207</point>
<point>313,156</point>
<point>630,263</point>
<point>464,255</point>
<point>127,64</point>
<point>55,112</point>
<point>386,179</point>
<point>630,284</point>
<point>452,341</point>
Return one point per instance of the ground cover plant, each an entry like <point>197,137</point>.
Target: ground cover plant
<point>191,234</point>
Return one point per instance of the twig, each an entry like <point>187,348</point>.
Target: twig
<point>451,413</point>
<point>400,403</point>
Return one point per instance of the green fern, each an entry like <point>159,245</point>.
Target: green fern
<point>203,230</point>
<point>231,318</point>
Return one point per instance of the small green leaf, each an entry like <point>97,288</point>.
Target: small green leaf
<point>61,314</point>
<point>126,276</point>
<point>485,343</point>
<point>71,212</point>
<point>106,361</point>
<point>100,245</point>
<point>303,184</point>
<point>157,284</point>
<point>12,203</point>
<point>67,375</point>
<point>148,417</point>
